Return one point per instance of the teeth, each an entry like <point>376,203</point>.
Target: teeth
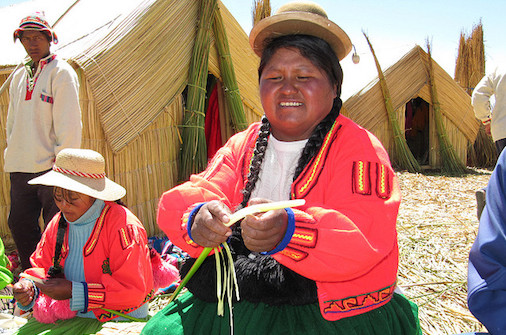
<point>290,104</point>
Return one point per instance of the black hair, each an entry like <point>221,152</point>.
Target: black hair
<point>322,56</point>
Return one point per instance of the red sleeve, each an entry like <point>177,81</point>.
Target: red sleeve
<point>222,180</point>
<point>44,253</point>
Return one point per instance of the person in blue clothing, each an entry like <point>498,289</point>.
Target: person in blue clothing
<point>487,260</point>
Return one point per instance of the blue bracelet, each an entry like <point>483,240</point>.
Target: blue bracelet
<point>191,217</point>
<point>85,286</point>
<point>290,229</point>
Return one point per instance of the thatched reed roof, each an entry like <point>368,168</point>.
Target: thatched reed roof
<point>155,44</point>
<point>408,79</point>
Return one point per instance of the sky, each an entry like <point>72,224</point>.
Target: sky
<point>394,27</point>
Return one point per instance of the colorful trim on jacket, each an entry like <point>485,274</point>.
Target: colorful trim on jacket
<point>359,302</point>
<point>106,316</point>
<point>30,83</point>
<point>361,179</point>
<point>310,174</point>
<point>95,234</point>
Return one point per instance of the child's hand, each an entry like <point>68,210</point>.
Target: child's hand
<point>23,292</point>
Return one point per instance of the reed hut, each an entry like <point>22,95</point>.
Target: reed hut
<point>133,60</point>
<point>408,83</point>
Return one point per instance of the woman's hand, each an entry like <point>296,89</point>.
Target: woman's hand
<point>263,231</point>
<point>23,292</point>
<point>56,288</point>
<point>208,229</point>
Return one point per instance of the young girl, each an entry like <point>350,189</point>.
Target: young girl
<point>329,266</point>
<point>93,256</point>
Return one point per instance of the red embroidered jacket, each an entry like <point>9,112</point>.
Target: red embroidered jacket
<point>117,265</point>
<point>345,237</point>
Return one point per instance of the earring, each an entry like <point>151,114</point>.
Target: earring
<point>355,57</point>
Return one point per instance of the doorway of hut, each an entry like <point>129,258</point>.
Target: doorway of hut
<point>213,125</point>
<point>417,129</point>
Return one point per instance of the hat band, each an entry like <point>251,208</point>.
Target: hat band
<point>79,174</point>
<point>33,25</point>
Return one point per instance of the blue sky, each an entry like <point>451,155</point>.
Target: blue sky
<point>394,27</point>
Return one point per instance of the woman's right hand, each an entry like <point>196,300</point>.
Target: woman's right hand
<point>208,227</point>
<point>23,292</point>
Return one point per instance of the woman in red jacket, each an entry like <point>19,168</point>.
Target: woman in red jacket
<point>93,259</point>
<point>327,267</point>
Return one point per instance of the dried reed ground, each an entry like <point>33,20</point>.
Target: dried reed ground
<point>437,225</point>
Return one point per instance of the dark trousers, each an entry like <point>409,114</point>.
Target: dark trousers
<point>500,144</point>
<point>27,201</point>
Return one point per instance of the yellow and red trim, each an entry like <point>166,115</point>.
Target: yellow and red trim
<point>95,234</point>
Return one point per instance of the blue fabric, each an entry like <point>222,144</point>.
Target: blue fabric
<point>487,259</point>
<point>79,232</point>
<point>290,229</point>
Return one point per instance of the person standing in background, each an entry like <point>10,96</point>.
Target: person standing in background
<point>492,117</point>
<point>43,118</point>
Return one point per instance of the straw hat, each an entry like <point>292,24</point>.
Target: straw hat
<point>83,171</point>
<point>36,22</point>
<point>300,18</point>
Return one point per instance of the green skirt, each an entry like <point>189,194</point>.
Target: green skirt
<point>76,326</point>
<point>189,315</point>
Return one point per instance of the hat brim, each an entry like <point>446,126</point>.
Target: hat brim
<point>51,33</point>
<point>103,188</point>
<point>300,23</point>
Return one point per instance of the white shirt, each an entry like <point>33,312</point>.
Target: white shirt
<point>38,128</point>
<point>278,168</point>
<point>492,86</point>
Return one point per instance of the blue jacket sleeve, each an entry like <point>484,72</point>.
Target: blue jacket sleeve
<point>487,259</point>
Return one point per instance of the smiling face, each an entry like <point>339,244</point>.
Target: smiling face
<point>36,44</point>
<point>72,204</point>
<point>296,95</point>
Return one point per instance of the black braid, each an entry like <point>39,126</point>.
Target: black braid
<point>56,270</point>
<point>256,162</point>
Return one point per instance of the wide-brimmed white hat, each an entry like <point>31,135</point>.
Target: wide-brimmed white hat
<point>83,171</point>
<point>300,18</point>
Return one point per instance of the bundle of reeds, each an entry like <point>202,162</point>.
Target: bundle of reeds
<point>470,65</point>
<point>194,147</point>
<point>403,157</point>
<point>450,162</point>
<point>231,90</point>
<point>469,69</point>
<point>261,10</point>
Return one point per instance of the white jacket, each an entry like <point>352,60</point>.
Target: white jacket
<point>493,84</point>
<point>38,128</point>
